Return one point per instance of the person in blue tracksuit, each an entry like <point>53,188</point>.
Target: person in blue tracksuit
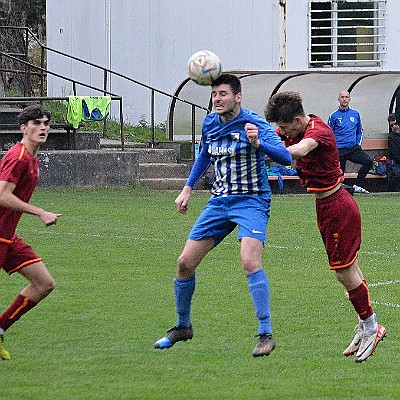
<point>347,127</point>
<point>235,141</point>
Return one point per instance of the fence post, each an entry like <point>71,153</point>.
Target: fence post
<point>121,120</point>
<point>152,120</point>
<point>105,93</point>
<point>193,132</point>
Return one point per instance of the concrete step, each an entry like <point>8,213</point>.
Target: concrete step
<point>148,155</point>
<point>9,115</point>
<point>162,156</point>
<point>163,184</point>
<point>159,167</point>
<point>163,170</point>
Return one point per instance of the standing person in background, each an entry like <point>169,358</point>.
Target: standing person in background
<point>312,144</point>
<point>347,127</point>
<point>18,179</point>
<point>235,141</point>
<point>393,169</point>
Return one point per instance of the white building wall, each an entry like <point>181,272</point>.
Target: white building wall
<point>297,35</point>
<point>151,40</point>
<point>393,35</point>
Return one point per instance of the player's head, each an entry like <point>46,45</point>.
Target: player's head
<point>344,99</point>
<point>393,124</point>
<point>226,96</point>
<point>284,107</point>
<point>228,79</point>
<point>32,113</point>
<point>286,110</point>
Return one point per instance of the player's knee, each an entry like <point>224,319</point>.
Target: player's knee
<point>47,286</point>
<point>250,266</point>
<point>185,266</point>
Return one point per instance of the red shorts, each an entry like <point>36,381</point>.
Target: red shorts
<point>339,222</point>
<point>15,254</point>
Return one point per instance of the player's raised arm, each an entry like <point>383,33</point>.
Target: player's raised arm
<point>302,148</point>
<point>277,152</point>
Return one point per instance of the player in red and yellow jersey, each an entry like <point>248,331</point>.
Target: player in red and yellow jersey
<point>312,144</point>
<point>18,179</point>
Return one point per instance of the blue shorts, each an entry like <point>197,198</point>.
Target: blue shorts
<point>221,215</point>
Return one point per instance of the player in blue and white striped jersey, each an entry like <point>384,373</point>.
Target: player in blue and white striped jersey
<point>236,141</point>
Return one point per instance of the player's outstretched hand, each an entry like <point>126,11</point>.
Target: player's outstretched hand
<point>49,218</point>
<point>252,134</point>
<point>182,200</point>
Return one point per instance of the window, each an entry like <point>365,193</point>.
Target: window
<point>5,6</point>
<point>347,33</point>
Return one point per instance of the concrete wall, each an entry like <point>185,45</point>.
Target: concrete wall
<point>57,140</point>
<point>88,168</point>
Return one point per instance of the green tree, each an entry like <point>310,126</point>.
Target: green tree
<point>18,13</point>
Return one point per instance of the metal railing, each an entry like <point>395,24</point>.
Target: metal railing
<point>107,74</point>
<point>40,99</point>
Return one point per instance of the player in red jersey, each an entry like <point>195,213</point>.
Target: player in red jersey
<point>18,179</point>
<point>312,143</point>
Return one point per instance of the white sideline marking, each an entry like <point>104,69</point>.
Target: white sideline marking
<point>225,242</point>
<point>385,283</point>
<point>393,305</point>
<point>141,238</point>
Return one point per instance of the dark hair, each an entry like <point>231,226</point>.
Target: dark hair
<point>284,107</point>
<point>392,117</point>
<point>232,80</point>
<point>32,112</point>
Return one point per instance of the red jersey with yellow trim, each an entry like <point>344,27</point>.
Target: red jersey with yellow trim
<point>21,168</point>
<point>319,170</point>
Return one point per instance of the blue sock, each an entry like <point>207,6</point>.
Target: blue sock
<point>183,290</point>
<point>259,289</point>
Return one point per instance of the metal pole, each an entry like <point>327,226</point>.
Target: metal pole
<point>105,93</point>
<point>193,131</point>
<point>26,67</point>
<point>42,71</point>
<point>152,120</point>
<point>121,120</point>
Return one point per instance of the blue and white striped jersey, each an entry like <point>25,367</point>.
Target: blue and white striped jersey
<point>239,167</point>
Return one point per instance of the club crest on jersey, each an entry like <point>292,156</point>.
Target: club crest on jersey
<point>235,136</point>
<point>352,119</point>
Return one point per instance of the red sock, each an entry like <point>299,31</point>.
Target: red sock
<point>17,309</point>
<point>361,301</point>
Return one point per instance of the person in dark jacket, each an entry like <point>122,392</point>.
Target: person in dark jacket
<point>394,154</point>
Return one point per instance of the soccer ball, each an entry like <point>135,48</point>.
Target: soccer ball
<point>204,67</point>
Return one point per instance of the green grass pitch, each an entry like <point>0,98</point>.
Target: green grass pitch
<point>113,255</point>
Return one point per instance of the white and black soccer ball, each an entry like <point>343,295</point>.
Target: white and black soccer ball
<point>204,67</point>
